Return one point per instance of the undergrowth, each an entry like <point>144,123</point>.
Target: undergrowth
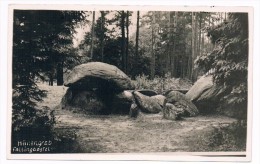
<point>161,84</point>
<point>37,134</point>
<point>230,138</point>
<point>222,138</point>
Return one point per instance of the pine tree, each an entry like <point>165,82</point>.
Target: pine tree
<point>40,44</point>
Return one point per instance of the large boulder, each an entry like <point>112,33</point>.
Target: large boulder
<point>171,112</point>
<point>160,99</point>
<point>147,92</point>
<point>184,91</point>
<point>121,102</point>
<point>98,75</point>
<point>87,101</point>
<point>206,95</point>
<point>179,99</point>
<point>199,87</point>
<point>147,104</point>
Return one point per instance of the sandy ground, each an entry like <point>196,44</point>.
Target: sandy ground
<point>121,134</point>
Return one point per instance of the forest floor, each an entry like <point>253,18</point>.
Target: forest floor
<point>147,133</point>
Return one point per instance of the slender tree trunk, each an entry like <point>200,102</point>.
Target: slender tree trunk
<point>60,73</point>
<point>221,17</point>
<point>202,44</point>
<point>199,39</point>
<point>209,45</point>
<point>208,40</point>
<point>175,57</point>
<point>102,35</point>
<point>127,40</point>
<point>153,51</point>
<point>137,34</point>
<point>203,38</point>
<point>51,79</point>
<point>196,46</point>
<point>123,42</point>
<point>193,45</point>
<point>52,70</point>
<point>189,72</point>
<point>92,35</point>
<point>169,44</point>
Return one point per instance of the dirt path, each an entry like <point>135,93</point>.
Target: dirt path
<point>121,134</point>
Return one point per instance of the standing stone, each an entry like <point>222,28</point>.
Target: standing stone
<point>147,92</point>
<point>87,101</point>
<point>174,97</point>
<point>206,95</point>
<point>67,98</point>
<point>146,103</point>
<point>160,99</point>
<point>199,87</point>
<point>134,111</point>
<point>121,102</point>
<point>171,112</point>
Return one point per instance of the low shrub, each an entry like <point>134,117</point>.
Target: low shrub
<point>221,138</point>
<point>37,134</point>
<point>27,130</point>
<point>65,141</point>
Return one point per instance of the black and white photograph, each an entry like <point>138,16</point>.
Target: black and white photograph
<point>124,80</point>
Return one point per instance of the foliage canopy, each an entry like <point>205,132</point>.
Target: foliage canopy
<point>229,59</point>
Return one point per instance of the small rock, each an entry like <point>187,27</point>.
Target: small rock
<point>134,111</point>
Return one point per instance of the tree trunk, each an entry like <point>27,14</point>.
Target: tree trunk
<point>221,17</point>
<point>60,73</point>
<point>192,44</point>
<point>203,38</point>
<point>199,39</point>
<point>92,35</point>
<point>123,48</point>
<point>169,46</point>
<point>153,51</point>
<point>52,71</point>
<point>174,57</point>
<point>51,79</point>
<point>102,35</point>
<point>137,34</point>
<point>202,44</point>
<point>127,40</point>
<point>195,71</point>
